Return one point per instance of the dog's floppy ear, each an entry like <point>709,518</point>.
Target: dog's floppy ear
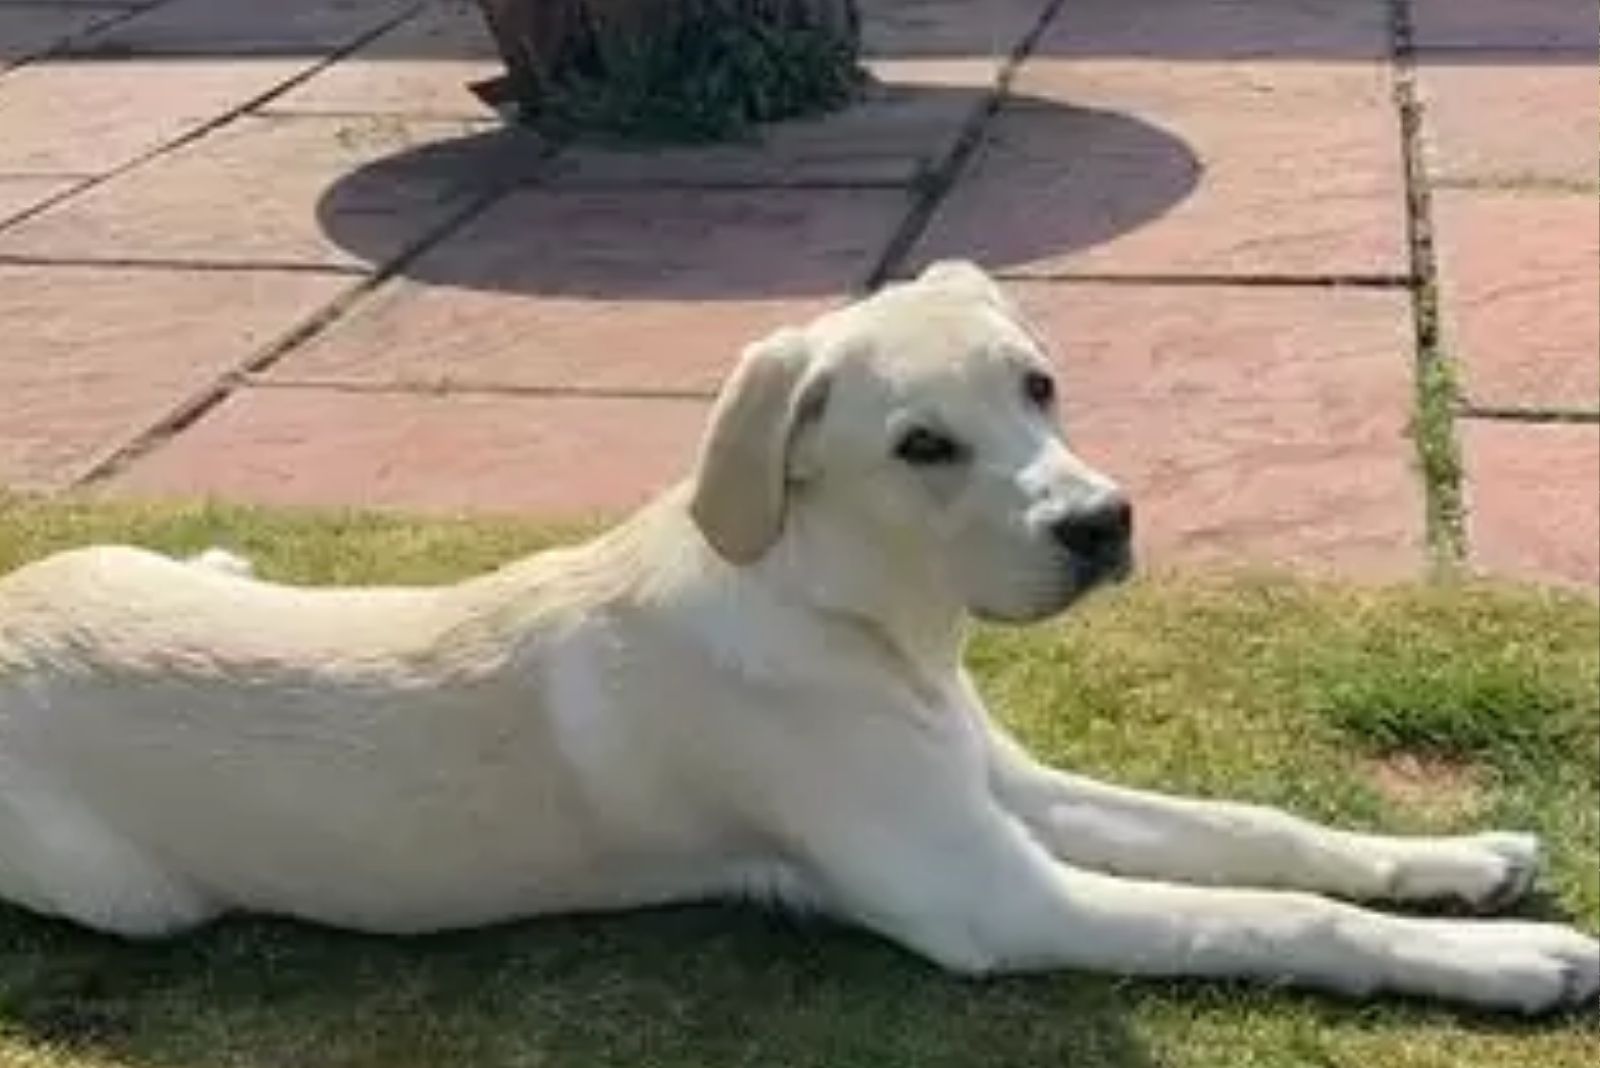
<point>741,487</point>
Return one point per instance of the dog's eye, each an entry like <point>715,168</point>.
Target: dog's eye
<point>1039,388</point>
<point>922,446</point>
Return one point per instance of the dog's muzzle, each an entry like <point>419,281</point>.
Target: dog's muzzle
<point>1099,540</point>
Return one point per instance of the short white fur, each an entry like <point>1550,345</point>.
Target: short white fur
<point>752,687</point>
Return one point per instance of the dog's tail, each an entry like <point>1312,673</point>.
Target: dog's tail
<point>218,559</point>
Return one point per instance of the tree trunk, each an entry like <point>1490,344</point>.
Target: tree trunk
<point>672,69</point>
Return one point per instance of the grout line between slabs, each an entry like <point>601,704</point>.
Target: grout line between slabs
<point>447,387</point>
<point>1433,415</point>
<point>1530,414</point>
<point>1207,281</point>
<point>487,121</point>
<point>1515,186</point>
<point>178,264</point>
<point>575,187</point>
<point>216,122</point>
<point>931,190</point>
<point>1548,55</point>
<point>191,409</point>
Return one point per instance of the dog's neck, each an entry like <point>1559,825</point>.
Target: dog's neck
<point>894,594</point>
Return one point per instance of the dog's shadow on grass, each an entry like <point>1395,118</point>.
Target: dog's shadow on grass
<point>677,987</point>
<point>815,208</point>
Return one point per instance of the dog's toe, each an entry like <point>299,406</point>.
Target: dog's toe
<point>1521,857</point>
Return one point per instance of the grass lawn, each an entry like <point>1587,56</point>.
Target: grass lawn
<point>1408,708</point>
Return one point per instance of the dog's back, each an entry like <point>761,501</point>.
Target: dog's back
<point>172,735</point>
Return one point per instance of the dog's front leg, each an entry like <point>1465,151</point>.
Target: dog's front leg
<point>1131,832</point>
<point>973,890</point>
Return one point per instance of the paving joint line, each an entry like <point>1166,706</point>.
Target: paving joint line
<point>733,185</point>
<point>1530,414</point>
<point>209,126</point>
<point>1524,186</point>
<point>928,193</point>
<point>290,114</point>
<point>1433,429</point>
<point>178,264</point>
<point>42,176</point>
<point>202,401</point>
<point>1212,281</point>
<point>448,388</point>
<point>1563,52</point>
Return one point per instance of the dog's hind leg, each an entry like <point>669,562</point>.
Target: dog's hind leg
<point>57,858</point>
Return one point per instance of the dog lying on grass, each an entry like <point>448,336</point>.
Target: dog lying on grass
<point>753,687</point>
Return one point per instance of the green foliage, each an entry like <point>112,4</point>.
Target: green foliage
<point>1255,687</point>
<point>706,79</point>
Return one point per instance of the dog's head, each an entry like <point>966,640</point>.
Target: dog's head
<point>914,434</point>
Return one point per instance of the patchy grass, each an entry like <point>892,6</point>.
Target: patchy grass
<point>1254,687</point>
<point>1438,448</point>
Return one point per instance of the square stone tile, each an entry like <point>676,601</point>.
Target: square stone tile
<point>421,67</point>
<point>21,192</point>
<point>244,27</point>
<point>27,31</point>
<point>1520,295</point>
<point>336,191</point>
<point>89,116</point>
<point>903,128</point>
<point>1510,119</point>
<point>429,336</point>
<point>618,290</point>
<point>1251,426</point>
<point>1132,168</point>
<point>1506,24</point>
<point>1186,30</point>
<point>93,357</point>
<point>554,457</point>
<point>1533,500</point>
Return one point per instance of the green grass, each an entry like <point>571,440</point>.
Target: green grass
<point>1434,431</point>
<point>1253,687</point>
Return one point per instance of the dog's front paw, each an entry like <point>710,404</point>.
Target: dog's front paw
<point>1524,967</point>
<point>1486,872</point>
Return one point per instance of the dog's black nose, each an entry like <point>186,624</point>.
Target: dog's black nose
<point>1101,531</point>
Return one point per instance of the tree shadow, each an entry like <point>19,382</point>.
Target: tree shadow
<point>677,987</point>
<point>769,220</point>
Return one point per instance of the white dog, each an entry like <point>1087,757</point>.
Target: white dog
<point>753,687</point>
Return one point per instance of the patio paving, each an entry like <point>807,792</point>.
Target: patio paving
<point>95,355</point>
<point>1532,506</point>
<point>280,253</point>
<point>1521,307</point>
<point>1126,167</point>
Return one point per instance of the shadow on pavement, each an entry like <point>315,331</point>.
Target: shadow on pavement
<point>717,235</point>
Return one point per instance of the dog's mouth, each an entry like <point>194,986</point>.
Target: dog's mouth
<point>1080,575</point>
